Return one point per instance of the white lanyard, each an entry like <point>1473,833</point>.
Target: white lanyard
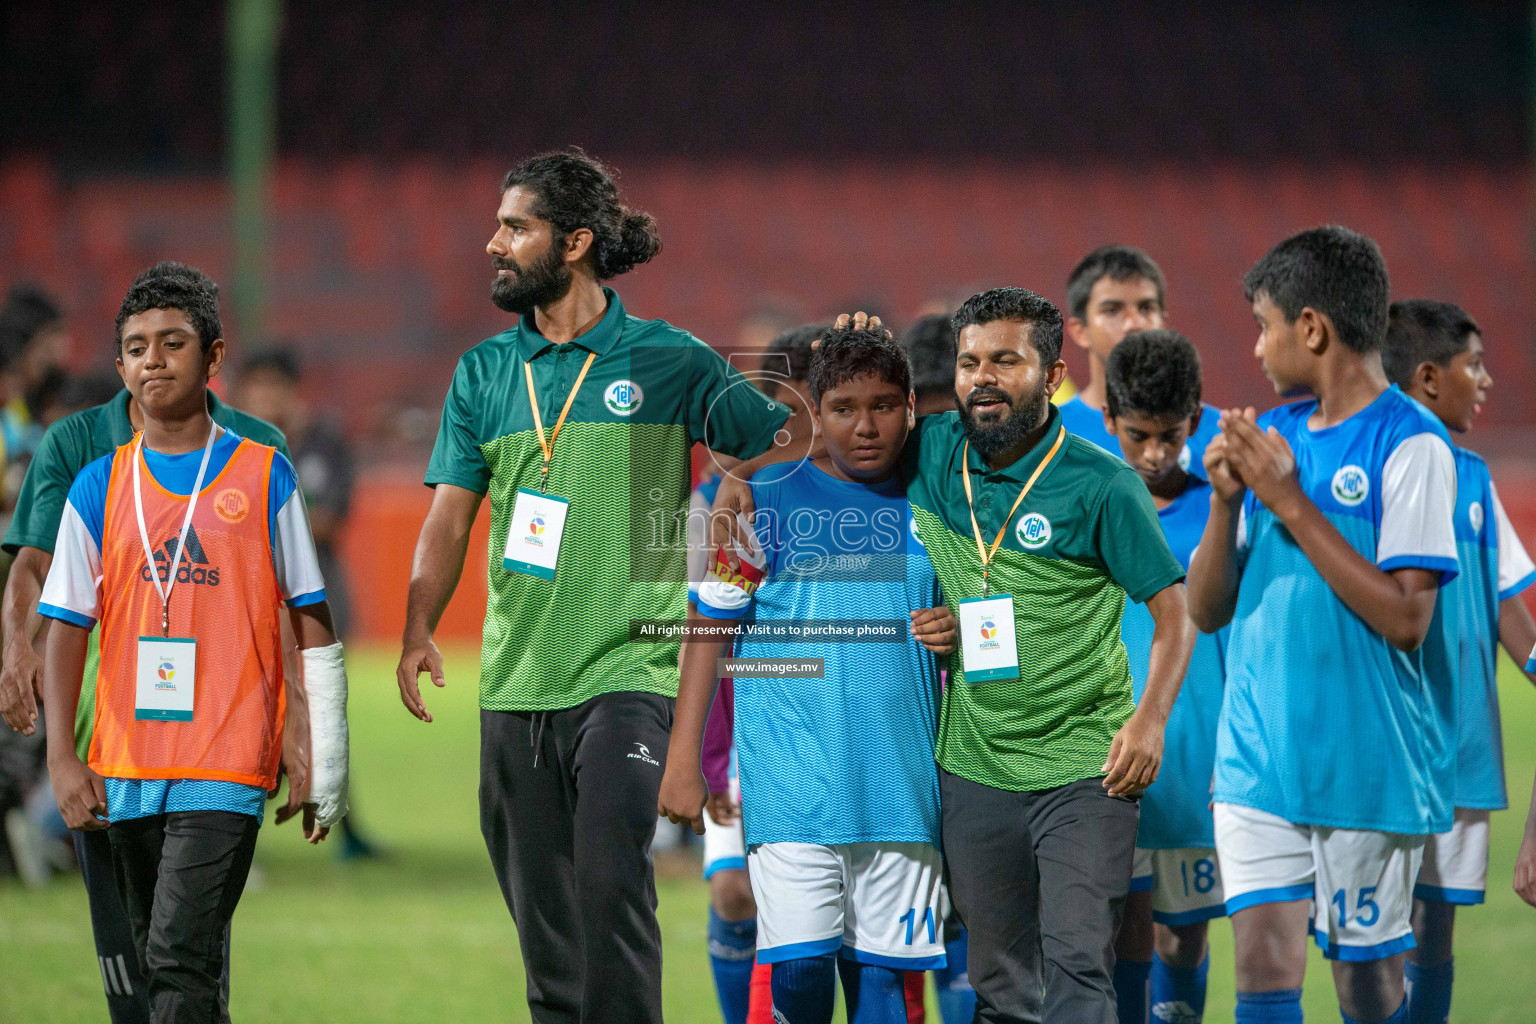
<point>186,524</point>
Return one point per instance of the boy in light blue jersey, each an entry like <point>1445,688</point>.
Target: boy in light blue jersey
<point>839,787</point>
<point>1434,352</point>
<point>1114,290</point>
<point>1152,400</point>
<point>1330,535</point>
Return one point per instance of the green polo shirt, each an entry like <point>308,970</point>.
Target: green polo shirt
<point>622,460</point>
<point>1085,538</point>
<point>70,445</point>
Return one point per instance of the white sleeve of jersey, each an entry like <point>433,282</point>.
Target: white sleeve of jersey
<point>1418,506</point>
<point>1516,571</point>
<point>72,591</point>
<point>293,554</point>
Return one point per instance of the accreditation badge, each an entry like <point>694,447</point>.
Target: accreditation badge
<point>533,536</point>
<point>988,648</point>
<point>167,678</point>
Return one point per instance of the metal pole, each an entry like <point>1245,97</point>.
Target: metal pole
<point>253,28</point>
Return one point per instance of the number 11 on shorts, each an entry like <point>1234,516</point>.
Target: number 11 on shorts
<point>910,920</point>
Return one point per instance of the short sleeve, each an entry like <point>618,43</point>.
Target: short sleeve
<point>1129,540</point>
<point>1516,572</point>
<point>1418,505</point>
<point>72,591</point>
<point>726,411</point>
<point>299,579</point>
<point>456,457</point>
<point>45,489</point>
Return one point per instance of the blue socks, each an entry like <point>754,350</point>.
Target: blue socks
<point>1281,1007</point>
<point>732,951</point>
<point>1429,991</point>
<point>957,1000</point>
<point>803,989</point>
<point>1131,990</point>
<point>1178,994</point>
<point>1400,1017</point>
<point>875,995</point>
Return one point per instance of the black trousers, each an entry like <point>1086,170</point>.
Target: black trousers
<point>1039,879</point>
<point>180,876</point>
<point>568,810</point>
<point>116,954</point>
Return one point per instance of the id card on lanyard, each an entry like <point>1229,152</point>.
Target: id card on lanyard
<point>989,649</point>
<point>165,686</point>
<point>537,523</point>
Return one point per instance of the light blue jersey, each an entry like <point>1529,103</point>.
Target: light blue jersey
<point>1176,809</point>
<point>1494,566</point>
<point>847,758</point>
<point>1325,723</point>
<point>1087,422</point>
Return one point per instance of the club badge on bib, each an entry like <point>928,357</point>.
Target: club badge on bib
<point>533,537</point>
<point>988,648</point>
<point>167,679</point>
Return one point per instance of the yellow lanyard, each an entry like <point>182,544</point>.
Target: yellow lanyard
<point>548,447</point>
<point>981,547</point>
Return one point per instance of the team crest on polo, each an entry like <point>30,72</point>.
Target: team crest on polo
<point>1351,486</point>
<point>1033,531</point>
<point>1475,513</point>
<point>623,397</point>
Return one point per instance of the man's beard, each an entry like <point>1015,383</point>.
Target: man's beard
<point>999,436</point>
<point>541,283</point>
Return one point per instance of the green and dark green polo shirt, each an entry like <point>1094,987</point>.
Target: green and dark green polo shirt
<point>1085,538</point>
<point>622,460</point>
<point>70,445</point>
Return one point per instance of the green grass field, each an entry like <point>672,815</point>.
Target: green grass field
<point>424,935</point>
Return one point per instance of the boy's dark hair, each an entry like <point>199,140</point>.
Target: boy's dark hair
<point>1020,305</point>
<point>1423,331</point>
<point>283,361</point>
<point>1154,373</point>
<point>27,310</point>
<point>930,345</point>
<point>847,353</point>
<point>1116,262</point>
<point>170,285</point>
<point>1336,271</point>
<point>790,353</point>
<point>576,191</point>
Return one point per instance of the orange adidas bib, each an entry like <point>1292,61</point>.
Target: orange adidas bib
<point>226,597</point>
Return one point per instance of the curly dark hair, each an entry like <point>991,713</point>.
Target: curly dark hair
<point>170,285</point>
<point>847,353</point>
<point>1155,373</point>
<point>1336,271</point>
<point>1423,331</point>
<point>1020,305</point>
<point>575,191</point>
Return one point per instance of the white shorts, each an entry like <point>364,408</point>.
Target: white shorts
<point>725,847</point>
<point>875,903</point>
<point>1185,884</point>
<point>1360,883</point>
<point>1455,866</point>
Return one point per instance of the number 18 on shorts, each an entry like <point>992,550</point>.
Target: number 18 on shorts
<point>874,903</point>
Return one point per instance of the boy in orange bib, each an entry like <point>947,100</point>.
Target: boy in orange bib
<point>185,543</point>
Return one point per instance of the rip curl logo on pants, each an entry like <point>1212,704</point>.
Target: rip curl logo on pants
<point>643,753</point>
<point>623,397</point>
<point>1033,531</point>
<point>1351,485</point>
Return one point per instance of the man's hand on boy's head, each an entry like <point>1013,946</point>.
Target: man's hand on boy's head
<point>935,629</point>
<point>1264,461</point>
<point>859,321</point>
